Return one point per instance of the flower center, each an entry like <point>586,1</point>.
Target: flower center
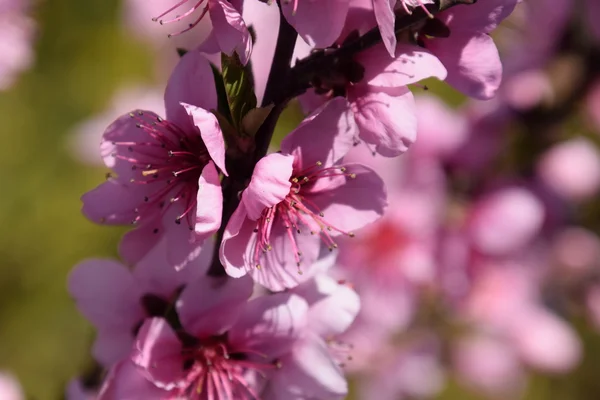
<point>179,17</point>
<point>297,211</point>
<point>214,372</point>
<point>168,164</point>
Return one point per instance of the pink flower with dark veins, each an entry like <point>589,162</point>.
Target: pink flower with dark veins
<point>300,198</point>
<point>229,32</point>
<point>166,180</point>
<point>117,300</point>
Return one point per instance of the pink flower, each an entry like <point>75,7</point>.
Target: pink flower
<point>299,198</point>
<point>229,32</point>
<point>166,179</point>
<point>571,169</point>
<point>333,306</point>
<point>383,106</point>
<point>318,22</point>
<point>117,299</point>
<point>505,221</point>
<point>469,53</point>
<point>17,32</point>
<point>227,348</point>
<point>76,390</point>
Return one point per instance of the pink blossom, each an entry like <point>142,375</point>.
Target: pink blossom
<point>17,31</point>
<point>117,299</point>
<point>383,106</point>
<point>231,347</point>
<point>10,389</point>
<point>577,250</point>
<point>299,198</point>
<point>333,306</point>
<point>229,32</point>
<point>488,364</point>
<point>76,390</point>
<point>413,371</point>
<point>505,221</point>
<point>469,53</point>
<point>166,179</point>
<point>571,169</point>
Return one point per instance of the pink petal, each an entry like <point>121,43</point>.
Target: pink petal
<point>319,23</point>
<point>230,30</point>
<point>211,133</point>
<point>183,245</point>
<point>412,64</point>
<point>270,184</point>
<point>210,201</point>
<point>472,61</point>
<point>191,73</point>
<point>126,381</point>
<point>483,16</point>
<point>325,136</point>
<point>309,372</point>
<point>154,274</point>
<point>386,119</point>
<point>235,240</point>
<point>113,345</point>
<point>332,306</point>
<point>209,306</point>
<point>270,325</point>
<point>384,14</point>
<point>355,204</point>
<point>135,244</point>
<point>112,202</point>
<point>106,294</point>
<point>157,351</point>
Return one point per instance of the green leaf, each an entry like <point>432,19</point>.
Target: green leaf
<point>239,88</point>
<point>222,101</point>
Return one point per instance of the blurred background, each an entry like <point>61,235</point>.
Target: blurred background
<point>82,63</point>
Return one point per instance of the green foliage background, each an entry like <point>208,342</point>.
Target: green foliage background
<point>83,55</point>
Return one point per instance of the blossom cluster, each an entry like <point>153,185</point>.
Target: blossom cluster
<point>248,275</point>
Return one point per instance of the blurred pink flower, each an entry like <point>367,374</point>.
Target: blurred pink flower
<point>577,250</point>
<point>10,388</point>
<point>505,221</point>
<point>87,135</point>
<point>17,30</point>
<point>299,198</point>
<point>488,364</point>
<point>571,169</point>
<point>117,299</point>
<point>167,181</point>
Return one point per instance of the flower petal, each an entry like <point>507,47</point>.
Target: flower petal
<point>211,133</point>
<point>386,119</point>
<point>157,351</point>
<point>270,325</point>
<point>209,306</point>
<point>191,82</point>
<point>230,29</point>
<point>236,239</point>
<point>412,64</point>
<point>319,23</point>
<point>113,345</point>
<point>325,136</point>
<point>384,14</point>
<point>270,184</point>
<point>106,294</point>
<point>472,61</point>
<point>482,16</point>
